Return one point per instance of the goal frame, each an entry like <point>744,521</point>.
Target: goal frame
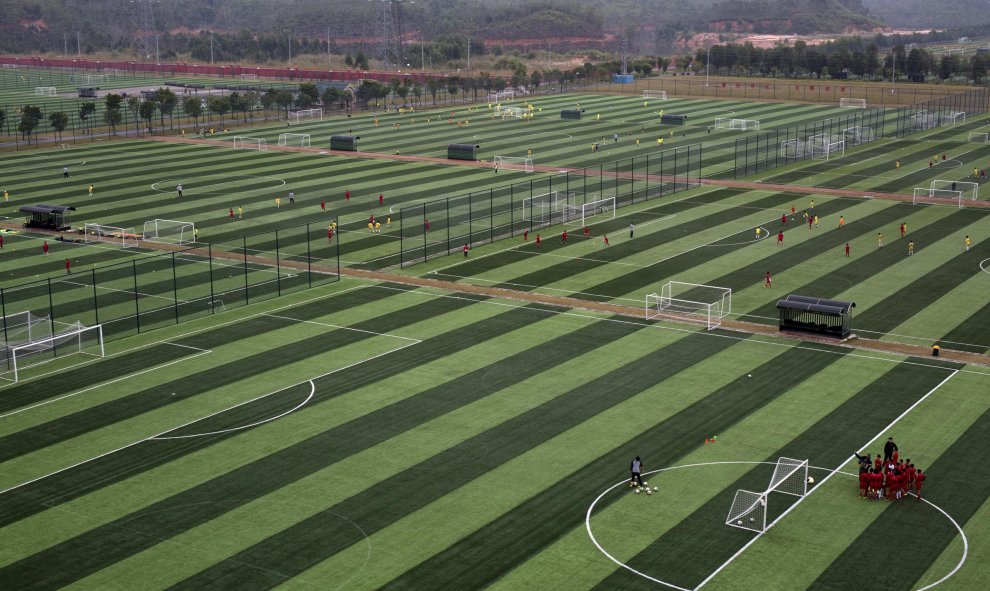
<point>855,103</point>
<point>825,151</point>
<point>796,149</point>
<point>790,477</point>
<point>304,139</point>
<point>859,135</point>
<point>737,124</point>
<point>929,196</point>
<point>20,357</point>
<point>496,97</point>
<point>524,163</point>
<point>123,237</point>
<point>296,117</point>
<point>578,213</point>
<point>983,135</point>
<point>665,304</point>
<point>45,91</point>
<point>186,231</point>
<point>746,503</point>
<point>514,112</point>
<point>660,95</point>
<point>954,118</point>
<point>249,76</point>
<point>244,142</point>
<point>544,203</point>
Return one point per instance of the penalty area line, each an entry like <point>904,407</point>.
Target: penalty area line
<point>823,480</point>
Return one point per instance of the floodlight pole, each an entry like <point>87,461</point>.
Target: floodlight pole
<point>708,63</point>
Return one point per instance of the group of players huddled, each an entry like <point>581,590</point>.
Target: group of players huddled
<point>888,478</point>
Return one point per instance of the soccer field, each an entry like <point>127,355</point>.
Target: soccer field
<point>413,429</point>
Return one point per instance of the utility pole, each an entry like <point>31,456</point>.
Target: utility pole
<point>708,63</point>
<point>469,56</point>
<point>65,42</point>
<point>157,60</point>
<point>290,49</point>
<point>78,45</point>
<point>211,47</point>
<point>422,56</point>
<point>328,47</point>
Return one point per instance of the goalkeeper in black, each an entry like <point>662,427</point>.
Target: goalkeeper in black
<point>635,472</point>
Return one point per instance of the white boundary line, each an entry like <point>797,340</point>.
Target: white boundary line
<point>158,436</point>
<point>800,500</point>
<point>591,535</point>
<point>238,179</point>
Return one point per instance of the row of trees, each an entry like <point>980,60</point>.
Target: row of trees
<point>840,60</point>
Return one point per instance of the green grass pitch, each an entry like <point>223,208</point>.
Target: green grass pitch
<point>372,435</point>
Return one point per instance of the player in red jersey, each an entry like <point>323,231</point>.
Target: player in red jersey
<point>783,220</point>
<point>780,238</point>
<point>768,282</point>
<point>426,226</point>
<point>381,199</point>
<point>347,195</point>
<point>538,241</point>
<point>864,482</point>
<point>877,463</point>
<point>323,205</point>
<point>605,239</point>
<point>919,478</point>
<point>910,473</point>
<point>587,232</point>
<point>525,235</point>
<point>876,484</point>
<point>563,237</point>
<point>903,229</point>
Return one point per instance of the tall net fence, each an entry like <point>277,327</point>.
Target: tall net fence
<point>443,226</point>
<point>769,149</point>
<point>172,287</point>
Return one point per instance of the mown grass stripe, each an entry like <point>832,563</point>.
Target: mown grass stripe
<point>697,545</point>
<point>893,538</point>
<point>112,542</point>
<point>971,330</point>
<point>481,558</point>
<point>418,486</point>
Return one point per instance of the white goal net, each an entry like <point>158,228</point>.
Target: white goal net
<point>505,95</point>
<point>44,91</point>
<point>581,213</point>
<point>169,231</point>
<point>67,339</point>
<point>946,192</point>
<point>243,142</point>
<point>794,149</point>
<point>736,124</point>
<point>678,299</point>
<point>513,163</point>
<point>856,103</point>
<point>922,120</point>
<point>249,76</point>
<point>305,115</point>
<point>823,146</point>
<point>978,136</point>
<point>538,210</point>
<point>123,237</point>
<point>88,79</point>
<point>858,135</point>
<point>294,139</point>
<point>655,94</point>
<point>953,119</point>
<point>511,112</point>
<point>749,509</point>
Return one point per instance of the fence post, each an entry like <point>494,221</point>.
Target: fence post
<point>96,303</point>
<point>491,215</point>
<point>309,258</point>
<point>175,289</point>
<point>247,296</point>
<point>137,307</point>
<point>278,267</point>
<point>209,261</point>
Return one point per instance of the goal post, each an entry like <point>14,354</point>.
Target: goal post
<point>858,135</point>
<point>982,137</point>
<point>169,231</point>
<point>954,118</point>
<point>654,94</point>
<point>927,195</point>
<point>294,139</point>
<point>513,163</point>
<point>790,477</point>
<point>44,91</point>
<point>539,210</point>
<point>823,146</point>
<point>968,189</point>
<point>748,511</point>
<point>694,301</point>
<point>68,339</point>
<point>797,149</point>
<point>737,124</point>
<point>304,115</point>
<point>856,103</point>
<point>580,213</point>
<point>508,112</point>
<point>249,76</point>
<point>243,142</point>
<point>123,237</point>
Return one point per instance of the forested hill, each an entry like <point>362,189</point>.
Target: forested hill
<point>48,25</point>
<point>925,14</point>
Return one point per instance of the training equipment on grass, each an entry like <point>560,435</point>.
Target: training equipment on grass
<point>169,231</point>
<point>294,139</point>
<point>709,302</point>
<point>978,136</point>
<point>305,115</point>
<point>249,76</point>
<point>749,509</point>
<point>823,146</point>
<point>856,103</point>
<point>581,213</point>
<point>123,237</point>
<point>462,151</point>
<point>344,143</point>
<point>243,142</point>
<point>954,118</point>
<point>737,124</point>
<point>854,136</point>
<point>513,163</point>
<point>44,91</point>
<point>655,94</point>
<point>31,341</point>
<point>508,112</point>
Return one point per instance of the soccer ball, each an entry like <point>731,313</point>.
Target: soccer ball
<point>637,491</point>
<point>649,492</point>
<point>739,522</point>
<point>655,489</point>
<point>811,480</point>
<point>749,375</point>
<point>752,519</point>
<point>645,483</point>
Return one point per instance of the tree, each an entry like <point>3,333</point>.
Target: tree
<point>979,64</point>
<point>915,65</point>
<point>85,111</point>
<point>3,118</point>
<point>403,90</point>
<point>283,99</point>
<point>30,118</point>
<point>348,60</point>
<point>134,105</point>
<point>193,107</point>
<point>331,97</point>
<point>147,111</point>
<point>166,103</point>
<point>309,89</point>
<point>949,66</point>
<point>269,99</point>
<point>433,85</point>
<point>243,102</point>
<point>59,122</point>
<point>112,113</point>
<point>872,59</point>
<point>304,101</point>
<point>219,105</point>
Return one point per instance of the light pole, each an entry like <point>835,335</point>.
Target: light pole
<point>708,63</point>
